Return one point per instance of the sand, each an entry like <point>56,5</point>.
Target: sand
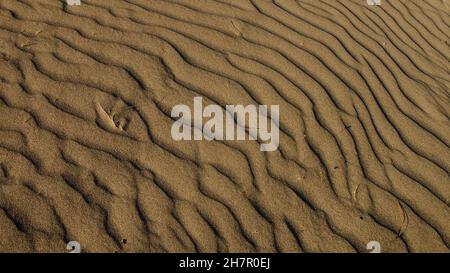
<point>86,152</point>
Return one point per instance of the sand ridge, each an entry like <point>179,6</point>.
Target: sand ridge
<point>86,152</point>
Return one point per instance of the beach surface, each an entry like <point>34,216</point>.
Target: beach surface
<point>87,155</point>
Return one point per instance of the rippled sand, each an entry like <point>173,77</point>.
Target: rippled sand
<point>86,154</point>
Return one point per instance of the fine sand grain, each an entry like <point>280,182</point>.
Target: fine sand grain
<point>86,152</point>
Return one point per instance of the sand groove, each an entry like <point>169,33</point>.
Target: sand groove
<point>86,152</point>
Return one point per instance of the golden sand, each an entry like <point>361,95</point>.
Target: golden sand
<point>86,152</point>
